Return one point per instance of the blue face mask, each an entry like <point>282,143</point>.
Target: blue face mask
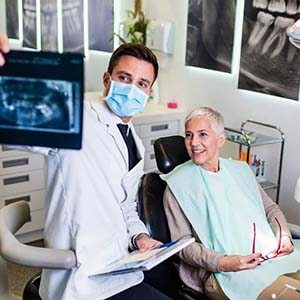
<point>126,100</point>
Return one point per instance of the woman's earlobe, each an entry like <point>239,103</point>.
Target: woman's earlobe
<point>222,140</point>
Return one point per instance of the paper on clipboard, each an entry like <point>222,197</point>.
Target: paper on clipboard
<point>143,261</point>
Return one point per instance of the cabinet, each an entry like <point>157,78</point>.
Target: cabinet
<point>247,139</point>
<point>22,177</point>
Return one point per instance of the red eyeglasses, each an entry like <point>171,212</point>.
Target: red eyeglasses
<point>270,254</point>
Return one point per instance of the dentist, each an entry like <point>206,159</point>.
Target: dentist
<point>91,194</point>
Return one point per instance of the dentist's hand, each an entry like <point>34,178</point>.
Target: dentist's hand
<point>145,242</point>
<point>232,263</point>
<point>4,47</point>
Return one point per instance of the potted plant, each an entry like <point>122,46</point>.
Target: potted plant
<point>134,28</point>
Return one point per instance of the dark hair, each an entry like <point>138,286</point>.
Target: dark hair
<point>136,50</point>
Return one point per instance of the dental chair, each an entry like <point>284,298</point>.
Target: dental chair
<point>169,152</point>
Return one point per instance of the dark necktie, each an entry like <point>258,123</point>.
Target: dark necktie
<point>133,158</point>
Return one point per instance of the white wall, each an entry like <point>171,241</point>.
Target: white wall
<point>196,87</point>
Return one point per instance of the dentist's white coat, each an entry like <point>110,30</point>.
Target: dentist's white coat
<point>91,208</point>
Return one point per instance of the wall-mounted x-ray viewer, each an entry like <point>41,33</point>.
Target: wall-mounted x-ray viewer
<point>41,99</point>
<point>161,35</point>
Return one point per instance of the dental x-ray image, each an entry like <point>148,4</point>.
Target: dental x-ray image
<point>210,34</point>
<point>101,25</point>
<point>12,19</point>
<point>269,62</point>
<point>49,25</point>
<point>29,24</point>
<point>73,28</point>
<point>41,99</point>
<point>36,104</point>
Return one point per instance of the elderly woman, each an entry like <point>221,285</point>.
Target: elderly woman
<point>243,244</point>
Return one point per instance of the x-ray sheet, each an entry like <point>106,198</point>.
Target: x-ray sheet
<point>12,19</point>
<point>73,27</point>
<point>49,25</point>
<point>269,62</point>
<point>41,99</point>
<point>29,24</point>
<point>210,34</point>
<point>101,25</point>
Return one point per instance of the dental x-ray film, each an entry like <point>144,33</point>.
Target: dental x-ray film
<point>210,34</point>
<point>41,99</point>
<point>269,62</point>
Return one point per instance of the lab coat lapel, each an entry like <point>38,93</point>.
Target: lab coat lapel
<point>111,121</point>
<point>139,144</point>
<point>132,178</point>
<point>117,136</point>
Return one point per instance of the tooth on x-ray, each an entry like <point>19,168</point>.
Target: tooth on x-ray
<point>72,25</point>
<point>75,23</point>
<point>277,6</point>
<point>291,53</point>
<point>278,33</point>
<point>263,4</point>
<point>292,7</point>
<point>264,21</point>
<point>29,23</point>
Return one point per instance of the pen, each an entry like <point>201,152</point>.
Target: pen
<point>167,245</point>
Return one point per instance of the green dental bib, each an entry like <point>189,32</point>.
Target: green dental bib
<point>222,208</point>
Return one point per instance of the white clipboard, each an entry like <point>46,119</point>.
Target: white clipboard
<point>143,261</point>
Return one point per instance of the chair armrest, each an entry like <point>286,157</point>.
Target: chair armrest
<point>295,230</point>
<point>38,257</point>
<point>12,217</point>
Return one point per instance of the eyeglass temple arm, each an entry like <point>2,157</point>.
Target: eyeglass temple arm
<point>254,238</point>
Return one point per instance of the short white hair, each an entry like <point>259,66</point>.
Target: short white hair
<point>216,119</point>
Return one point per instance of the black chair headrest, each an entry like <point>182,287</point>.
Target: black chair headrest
<point>170,152</point>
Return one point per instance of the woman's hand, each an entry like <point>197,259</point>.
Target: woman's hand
<point>233,263</point>
<point>286,246</point>
<point>4,47</point>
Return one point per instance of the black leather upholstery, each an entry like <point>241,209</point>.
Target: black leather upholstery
<point>31,291</point>
<point>165,276</point>
<point>150,206</point>
<point>170,152</point>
